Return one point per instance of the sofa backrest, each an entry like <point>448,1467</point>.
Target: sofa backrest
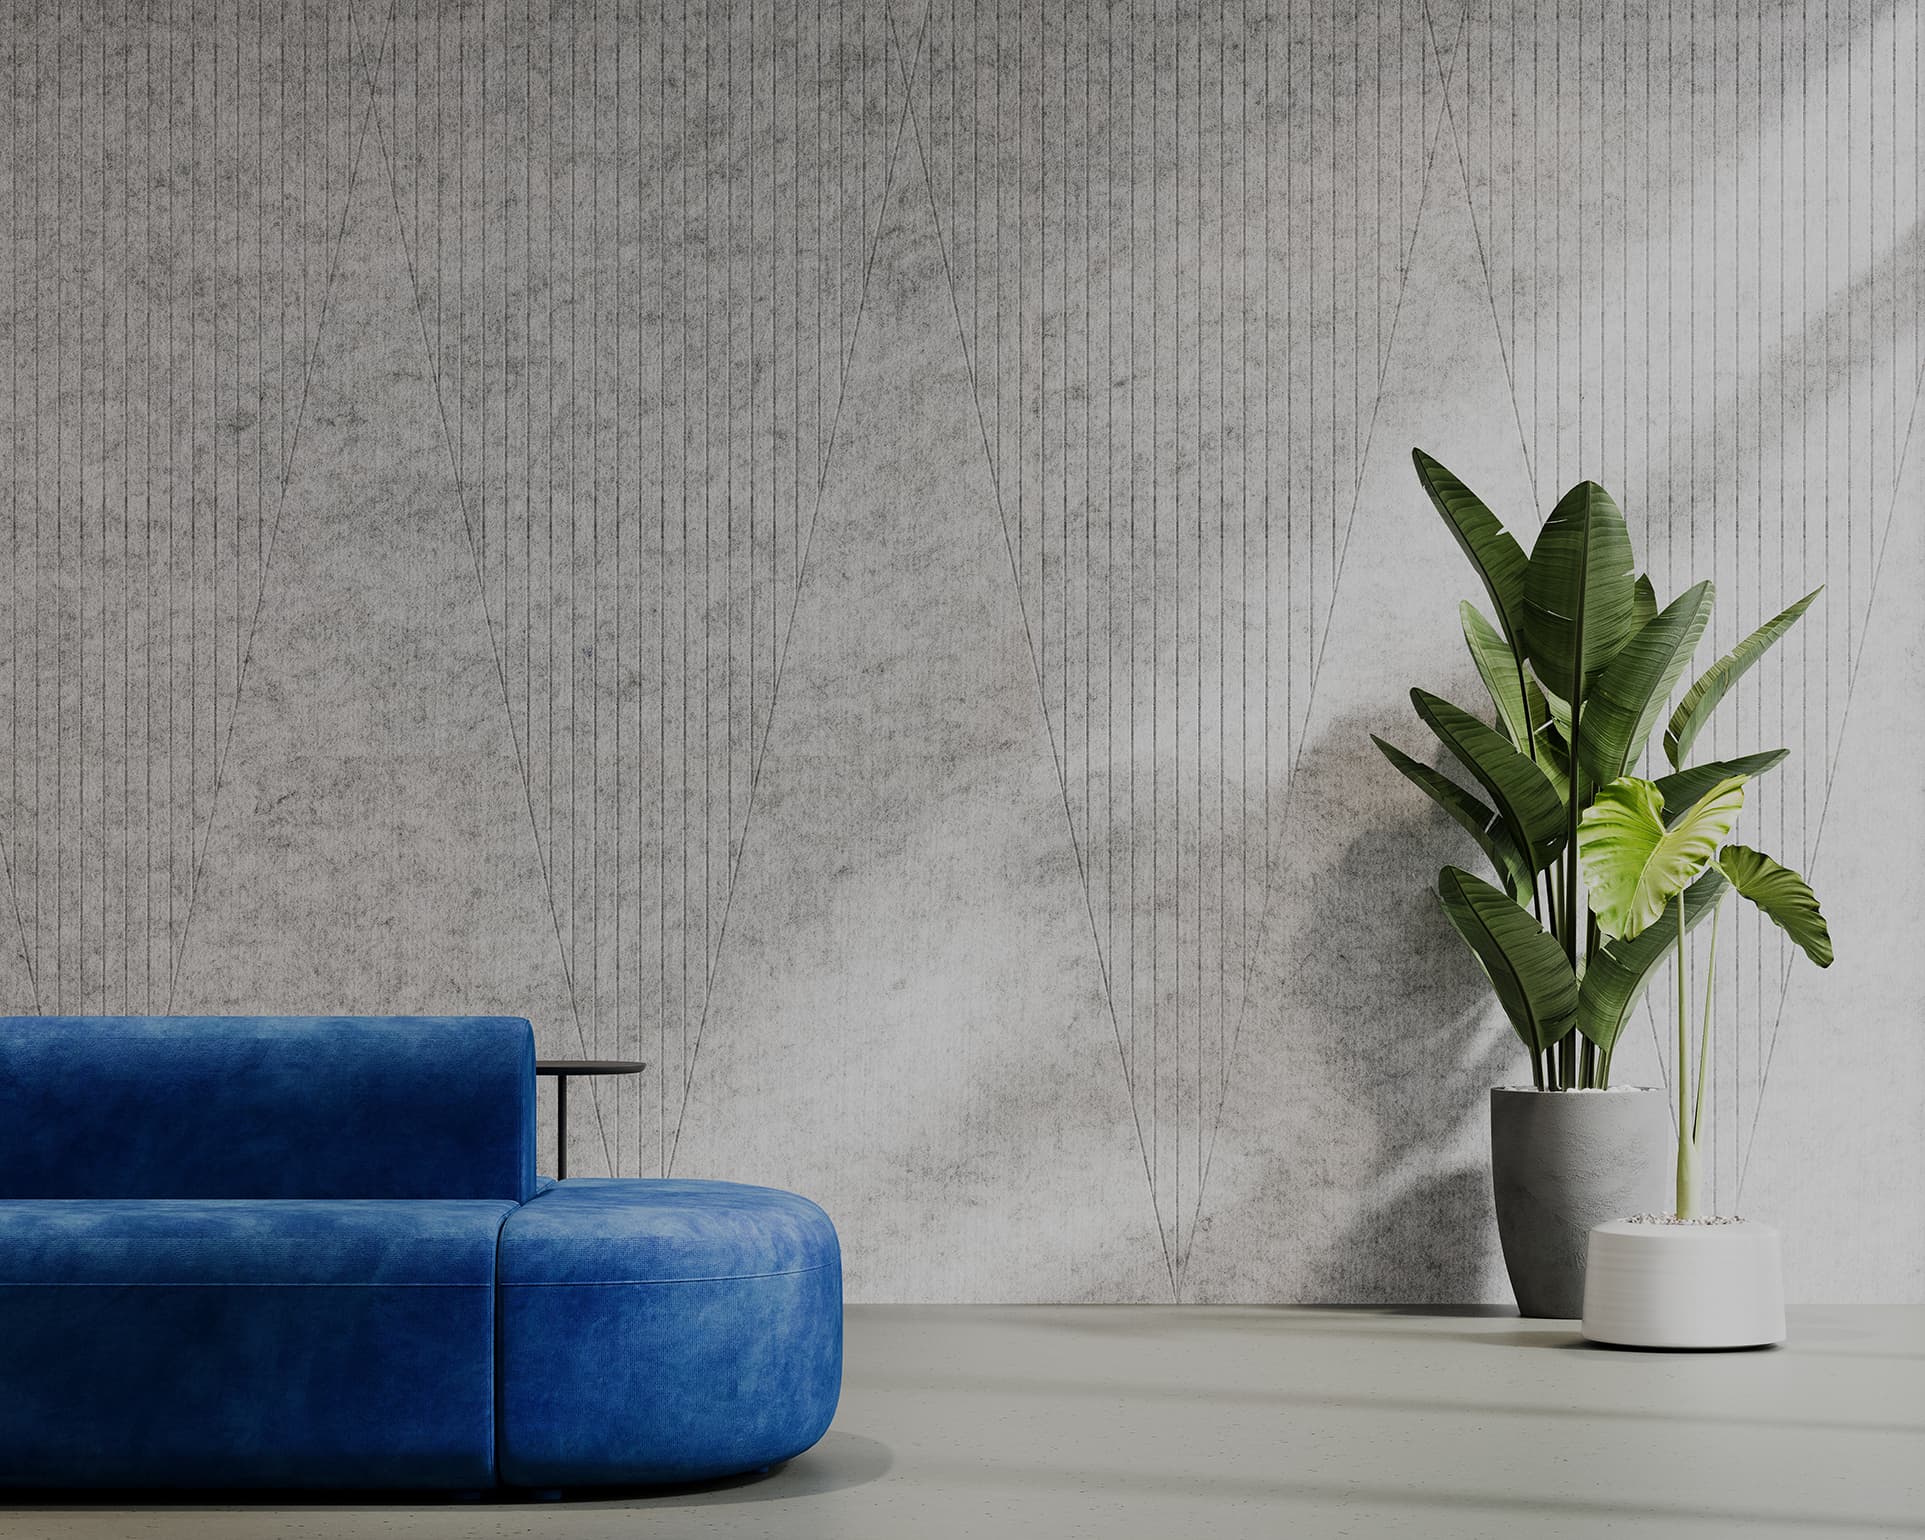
<point>267,1107</point>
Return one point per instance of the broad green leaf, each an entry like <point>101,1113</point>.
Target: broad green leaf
<point>1519,702</point>
<point>1580,598</point>
<point>1703,697</point>
<point>1680,791</point>
<point>1478,821</point>
<point>1629,696</point>
<point>1579,590</point>
<point>1633,865</point>
<point>1616,973</point>
<point>1526,967</point>
<point>1554,759</point>
<point>1492,549</point>
<point>1554,751</point>
<point>1518,787</point>
<point>1783,895</point>
<point>1560,710</point>
<point>1644,602</point>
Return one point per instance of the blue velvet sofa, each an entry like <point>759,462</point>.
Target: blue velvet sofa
<point>300,1252</point>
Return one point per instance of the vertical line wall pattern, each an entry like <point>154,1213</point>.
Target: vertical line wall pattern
<point>1175,377</point>
<point>174,200</point>
<point>1176,245</point>
<point>1703,266</point>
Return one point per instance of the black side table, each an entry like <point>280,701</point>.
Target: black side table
<point>561,1069</point>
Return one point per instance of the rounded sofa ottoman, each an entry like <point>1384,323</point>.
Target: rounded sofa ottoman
<point>660,1331</point>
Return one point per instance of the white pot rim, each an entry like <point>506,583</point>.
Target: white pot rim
<point>1704,1232</point>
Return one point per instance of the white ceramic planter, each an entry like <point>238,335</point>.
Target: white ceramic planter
<point>1669,1285</point>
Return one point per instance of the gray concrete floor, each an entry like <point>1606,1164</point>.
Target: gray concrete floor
<point>1204,1421</point>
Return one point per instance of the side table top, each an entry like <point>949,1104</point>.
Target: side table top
<point>589,1066</point>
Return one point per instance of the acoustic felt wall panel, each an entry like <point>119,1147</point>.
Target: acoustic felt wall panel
<point>852,550</point>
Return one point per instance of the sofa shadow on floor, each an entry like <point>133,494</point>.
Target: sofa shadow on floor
<point>838,1462</point>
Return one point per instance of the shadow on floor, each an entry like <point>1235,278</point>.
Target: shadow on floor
<point>1012,1390</point>
<point>1651,1516</point>
<point>840,1461</point>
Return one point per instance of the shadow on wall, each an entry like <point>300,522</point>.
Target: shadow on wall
<point>1410,1037</point>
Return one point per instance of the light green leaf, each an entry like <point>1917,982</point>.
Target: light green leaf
<point>1492,549</point>
<point>1580,598</point>
<point>1629,696</point>
<point>1478,821</point>
<point>1783,895</point>
<point>1616,973</point>
<point>1526,967</point>
<point>1633,865</point>
<point>1518,787</point>
<point>1703,697</point>
<point>1519,702</point>
<point>1680,791</point>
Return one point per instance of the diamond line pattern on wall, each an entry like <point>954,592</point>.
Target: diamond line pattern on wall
<point>871,231</point>
<point>923,138</point>
<point>1715,316</point>
<point>639,505</point>
<point>176,195</point>
<point>1177,429</point>
<point>640,236</point>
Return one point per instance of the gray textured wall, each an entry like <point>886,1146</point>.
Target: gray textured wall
<point>850,552</point>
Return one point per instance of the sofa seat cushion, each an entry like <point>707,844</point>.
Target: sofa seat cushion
<point>665,1331</point>
<point>596,1230</point>
<point>227,1343</point>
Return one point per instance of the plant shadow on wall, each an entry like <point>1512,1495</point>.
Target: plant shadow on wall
<point>1396,990</point>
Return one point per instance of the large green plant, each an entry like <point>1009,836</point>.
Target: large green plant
<point>1580,665</point>
<point>1640,863</point>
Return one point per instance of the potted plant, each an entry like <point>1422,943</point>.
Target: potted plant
<point>1686,1279</point>
<point>1580,666</point>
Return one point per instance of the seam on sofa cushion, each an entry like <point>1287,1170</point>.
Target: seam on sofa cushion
<point>134,1283</point>
<point>610,1283</point>
<point>496,1354</point>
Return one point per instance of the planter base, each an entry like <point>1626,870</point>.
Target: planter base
<point>1659,1285</point>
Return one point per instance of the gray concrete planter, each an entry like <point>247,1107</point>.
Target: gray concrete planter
<point>1562,1161</point>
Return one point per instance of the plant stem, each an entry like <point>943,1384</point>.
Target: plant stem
<point>1687,1195</point>
<point>1704,1032</point>
<point>1568,915</point>
<point>1537,903</point>
<point>1570,825</point>
<point>1687,1200</point>
<point>1683,1066</point>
